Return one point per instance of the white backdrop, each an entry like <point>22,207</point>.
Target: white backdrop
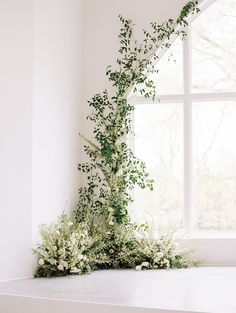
<point>40,89</point>
<point>53,57</point>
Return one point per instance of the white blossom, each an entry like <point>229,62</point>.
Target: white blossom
<point>145,264</point>
<point>138,267</point>
<point>167,262</point>
<point>75,270</point>
<point>60,267</point>
<point>156,260</point>
<point>160,254</point>
<point>80,257</point>
<point>120,172</point>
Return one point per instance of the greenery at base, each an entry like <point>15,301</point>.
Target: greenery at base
<point>69,247</point>
<point>100,234</point>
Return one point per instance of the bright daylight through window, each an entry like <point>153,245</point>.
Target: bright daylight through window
<point>188,139</point>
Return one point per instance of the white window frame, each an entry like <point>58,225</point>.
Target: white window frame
<point>187,99</point>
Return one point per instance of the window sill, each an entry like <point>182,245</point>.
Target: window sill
<point>200,234</point>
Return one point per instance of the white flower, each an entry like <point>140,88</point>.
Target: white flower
<point>61,251</point>
<point>80,257</point>
<point>41,261</point>
<point>145,264</point>
<point>111,223</point>
<point>75,270</point>
<point>64,264</point>
<point>138,267</point>
<point>119,141</point>
<point>160,254</point>
<point>60,267</point>
<point>120,172</point>
<point>84,258</point>
<point>73,239</point>
<point>110,210</point>
<point>70,224</point>
<point>167,262</point>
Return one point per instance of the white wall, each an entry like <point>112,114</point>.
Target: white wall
<point>56,113</point>
<point>16,97</point>
<point>40,89</point>
<point>48,92</point>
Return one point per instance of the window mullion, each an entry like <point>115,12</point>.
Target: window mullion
<point>187,134</point>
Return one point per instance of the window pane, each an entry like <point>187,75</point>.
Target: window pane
<point>214,165</point>
<point>214,48</point>
<point>169,79</point>
<point>159,141</point>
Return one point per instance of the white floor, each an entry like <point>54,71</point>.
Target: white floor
<point>205,289</point>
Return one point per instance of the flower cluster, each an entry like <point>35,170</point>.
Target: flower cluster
<point>69,247</point>
<point>163,253</point>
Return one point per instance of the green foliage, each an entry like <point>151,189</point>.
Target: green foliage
<point>131,246</point>
<point>101,234</point>
<point>113,170</point>
<point>69,247</point>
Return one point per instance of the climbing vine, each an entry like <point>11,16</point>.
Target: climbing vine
<point>113,169</point>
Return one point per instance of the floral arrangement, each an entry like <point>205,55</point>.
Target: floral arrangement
<point>66,249</point>
<point>100,233</point>
<point>69,247</point>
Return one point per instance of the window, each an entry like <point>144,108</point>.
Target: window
<point>187,139</point>
<point>159,142</point>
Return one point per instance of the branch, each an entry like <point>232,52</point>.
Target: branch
<point>90,142</point>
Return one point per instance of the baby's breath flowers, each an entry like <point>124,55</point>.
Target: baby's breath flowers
<point>64,248</point>
<point>78,248</point>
